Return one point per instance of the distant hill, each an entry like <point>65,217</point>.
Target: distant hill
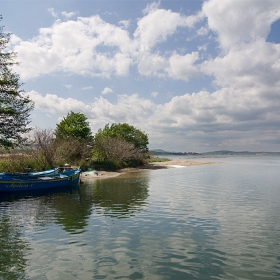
<point>216,153</point>
<point>162,152</point>
<point>226,153</point>
<point>158,151</point>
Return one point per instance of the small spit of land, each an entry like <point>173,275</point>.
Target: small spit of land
<point>151,166</point>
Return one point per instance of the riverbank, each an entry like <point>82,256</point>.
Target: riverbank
<point>85,176</point>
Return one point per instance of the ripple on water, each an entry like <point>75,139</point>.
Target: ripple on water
<point>200,222</point>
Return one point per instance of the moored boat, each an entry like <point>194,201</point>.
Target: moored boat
<point>63,179</point>
<point>29,174</point>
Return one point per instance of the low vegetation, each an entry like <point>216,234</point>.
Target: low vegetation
<point>157,159</point>
<point>111,148</point>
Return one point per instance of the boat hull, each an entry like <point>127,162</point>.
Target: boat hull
<point>45,182</point>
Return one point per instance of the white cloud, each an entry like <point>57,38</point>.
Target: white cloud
<point>221,117</point>
<point>152,65</point>
<point>254,65</point>
<point>68,86</point>
<point>153,29</point>
<point>151,7</point>
<point>202,48</point>
<point>53,13</point>
<point>129,108</point>
<point>240,21</point>
<point>245,69</point>
<point>87,88</point>
<point>71,47</point>
<point>106,90</point>
<point>68,15</point>
<point>124,23</point>
<point>53,104</point>
<point>182,67</point>
<point>154,94</point>
<point>90,46</point>
<point>202,31</point>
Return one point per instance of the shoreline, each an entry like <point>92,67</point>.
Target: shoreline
<point>90,175</point>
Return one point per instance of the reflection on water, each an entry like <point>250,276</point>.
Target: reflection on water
<point>72,211</point>
<point>12,247</point>
<point>117,197</point>
<point>201,222</point>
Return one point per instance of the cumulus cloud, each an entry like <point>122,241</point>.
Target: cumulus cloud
<point>129,108</point>
<point>247,62</point>
<point>51,103</point>
<point>243,108</point>
<point>71,47</point>
<point>152,29</point>
<point>106,90</point>
<point>238,22</point>
<point>182,67</point>
<point>152,65</point>
<point>255,64</point>
<point>224,117</point>
<point>89,46</point>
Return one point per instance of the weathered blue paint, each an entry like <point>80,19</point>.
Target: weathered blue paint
<point>12,184</point>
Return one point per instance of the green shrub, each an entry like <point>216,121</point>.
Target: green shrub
<point>20,163</point>
<point>156,159</point>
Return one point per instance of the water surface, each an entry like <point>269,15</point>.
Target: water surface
<point>217,221</point>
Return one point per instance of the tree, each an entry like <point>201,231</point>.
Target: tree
<point>127,132</point>
<point>47,151</point>
<point>74,125</point>
<point>120,142</point>
<point>43,149</point>
<point>116,149</point>
<point>15,106</point>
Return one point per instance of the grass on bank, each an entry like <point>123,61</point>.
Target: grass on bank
<point>112,165</point>
<point>19,163</point>
<point>157,159</point>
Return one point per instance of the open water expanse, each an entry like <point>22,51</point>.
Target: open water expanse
<point>218,221</point>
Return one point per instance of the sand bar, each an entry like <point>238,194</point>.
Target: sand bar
<point>85,176</point>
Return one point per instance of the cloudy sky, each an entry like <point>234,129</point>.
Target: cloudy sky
<point>194,75</point>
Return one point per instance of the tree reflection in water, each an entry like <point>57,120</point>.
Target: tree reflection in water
<point>72,212</point>
<point>119,197</point>
<point>13,249</point>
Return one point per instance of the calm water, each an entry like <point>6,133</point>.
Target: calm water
<point>217,221</point>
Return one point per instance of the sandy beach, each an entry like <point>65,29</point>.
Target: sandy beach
<point>85,176</point>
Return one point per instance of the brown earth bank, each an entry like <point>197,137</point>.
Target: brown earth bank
<point>85,176</point>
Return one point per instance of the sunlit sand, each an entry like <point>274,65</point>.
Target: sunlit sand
<point>85,176</point>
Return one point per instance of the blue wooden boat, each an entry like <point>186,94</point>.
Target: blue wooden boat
<point>28,174</point>
<point>24,183</point>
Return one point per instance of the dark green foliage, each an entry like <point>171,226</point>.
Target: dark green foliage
<point>15,107</point>
<point>120,145</point>
<point>74,125</point>
<point>126,132</point>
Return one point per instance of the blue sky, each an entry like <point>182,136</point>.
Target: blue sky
<point>194,75</point>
